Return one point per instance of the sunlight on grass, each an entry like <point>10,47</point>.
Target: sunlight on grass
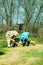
<point>32,55</point>
<point>40,40</point>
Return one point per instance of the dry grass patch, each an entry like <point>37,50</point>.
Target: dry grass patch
<point>31,55</point>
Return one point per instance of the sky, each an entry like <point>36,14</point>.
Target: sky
<point>21,16</point>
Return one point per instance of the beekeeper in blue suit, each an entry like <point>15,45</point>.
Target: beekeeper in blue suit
<point>24,37</point>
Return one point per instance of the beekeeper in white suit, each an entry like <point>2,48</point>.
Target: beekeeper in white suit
<point>10,37</point>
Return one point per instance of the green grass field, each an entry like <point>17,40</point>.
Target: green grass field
<point>31,55</point>
<point>40,40</point>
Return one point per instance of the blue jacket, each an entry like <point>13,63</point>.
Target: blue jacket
<point>24,35</point>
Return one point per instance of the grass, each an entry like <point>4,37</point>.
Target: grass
<point>32,55</point>
<point>3,44</point>
<point>3,51</point>
<point>2,40</point>
<point>40,40</point>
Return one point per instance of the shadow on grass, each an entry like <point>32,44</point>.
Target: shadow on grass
<point>2,53</point>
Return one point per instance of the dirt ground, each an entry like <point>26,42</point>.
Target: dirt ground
<point>14,55</point>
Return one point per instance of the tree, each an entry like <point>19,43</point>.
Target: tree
<point>8,11</point>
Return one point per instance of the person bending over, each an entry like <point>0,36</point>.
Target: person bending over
<point>24,37</point>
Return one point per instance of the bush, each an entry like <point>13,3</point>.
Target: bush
<point>3,40</point>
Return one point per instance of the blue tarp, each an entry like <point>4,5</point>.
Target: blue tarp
<point>24,35</point>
